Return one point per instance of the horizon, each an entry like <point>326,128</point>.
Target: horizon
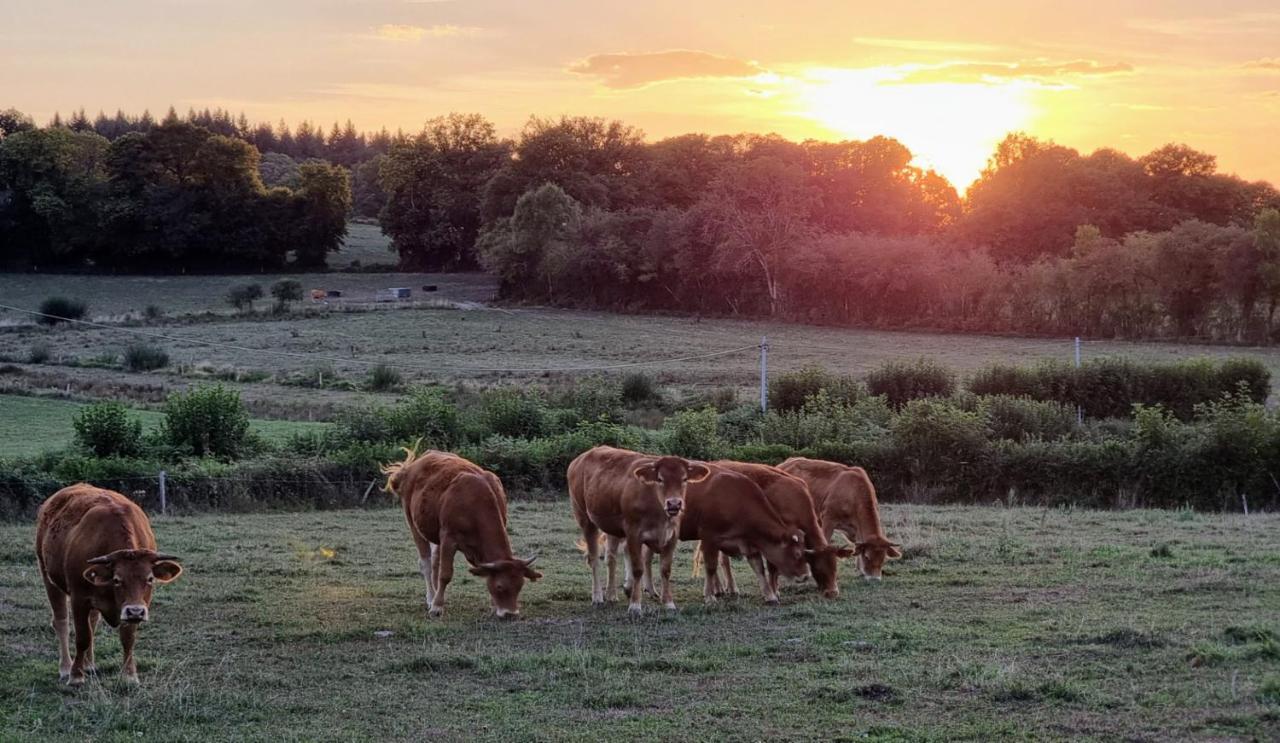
<point>1134,76</point>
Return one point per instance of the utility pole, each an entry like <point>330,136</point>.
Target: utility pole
<point>764,373</point>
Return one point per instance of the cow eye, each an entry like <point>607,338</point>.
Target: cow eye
<point>116,581</point>
<point>151,579</point>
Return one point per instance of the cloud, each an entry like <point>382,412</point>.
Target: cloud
<point>405,32</point>
<point>970,72</point>
<point>1202,26</point>
<point>923,45</point>
<point>635,70</point>
<point>1266,63</point>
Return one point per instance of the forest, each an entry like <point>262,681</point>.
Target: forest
<point>586,212</point>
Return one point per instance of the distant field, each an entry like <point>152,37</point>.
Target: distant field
<point>998,624</point>
<point>364,243</point>
<point>31,425</point>
<point>480,343</point>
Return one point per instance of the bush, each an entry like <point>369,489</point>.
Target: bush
<point>60,309</point>
<point>693,434</point>
<point>383,378</point>
<point>821,419</point>
<point>939,441</point>
<point>902,382</point>
<point>595,399</point>
<point>511,412</point>
<point>425,415</point>
<point>153,312</point>
<point>39,353</point>
<point>107,430</point>
<point>243,297</point>
<point>1022,419</point>
<point>286,291</point>
<point>145,357</point>
<point>638,389</point>
<point>789,391</point>
<point>207,421</point>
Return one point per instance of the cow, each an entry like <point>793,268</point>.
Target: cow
<point>637,499</point>
<point>730,516</point>
<point>97,556</point>
<point>790,496</point>
<point>846,502</point>
<point>453,505</point>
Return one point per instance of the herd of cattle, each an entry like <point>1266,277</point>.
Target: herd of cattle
<point>98,557</point>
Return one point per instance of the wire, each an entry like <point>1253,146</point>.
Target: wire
<point>367,362</point>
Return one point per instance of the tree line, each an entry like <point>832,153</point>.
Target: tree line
<point>175,197</point>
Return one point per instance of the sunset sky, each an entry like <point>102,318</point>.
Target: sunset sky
<point>949,79</point>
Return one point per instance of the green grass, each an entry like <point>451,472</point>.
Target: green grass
<point>31,425</point>
<point>999,623</point>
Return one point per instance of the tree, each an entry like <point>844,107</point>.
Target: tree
<point>13,121</point>
<point>286,291</point>
<point>325,199</point>
<point>433,185</point>
<point>517,249</point>
<point>243,297</point>
<point>367,195</point>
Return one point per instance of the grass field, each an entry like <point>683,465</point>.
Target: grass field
<point>998,623</point>
<point>30,425</point>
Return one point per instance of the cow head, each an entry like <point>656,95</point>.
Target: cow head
<point>788,555</point>
<point>669,477</point>
<point>823,565</point>
<point>872,554</point>
<point>505,578</point>
<point>124,580</point>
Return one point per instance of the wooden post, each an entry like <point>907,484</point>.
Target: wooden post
<point>764,374</point>
<point>1079,408</point>
<point>164,500</point>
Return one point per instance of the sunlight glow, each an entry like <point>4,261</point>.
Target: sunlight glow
<point>950,127</point>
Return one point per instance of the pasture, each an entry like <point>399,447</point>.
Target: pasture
<point>998,623</point>
<point>31,425</point>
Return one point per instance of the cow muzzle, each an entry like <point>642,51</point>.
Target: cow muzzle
<point>133,614</point>
<point>674,506</point>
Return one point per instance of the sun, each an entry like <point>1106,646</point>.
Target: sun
<point>950,127</point>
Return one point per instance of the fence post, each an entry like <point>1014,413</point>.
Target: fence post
<point>164,500</point>
<point>764,374</point>
<point>1079,409</point>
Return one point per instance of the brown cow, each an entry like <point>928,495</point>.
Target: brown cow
<point>846,502</point>
<point>633,497</point>
<point>452,505</point>
<point>791,498</point>
<point>97,554</point>
<point>730,516</point>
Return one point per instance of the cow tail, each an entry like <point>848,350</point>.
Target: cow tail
<point>393,470</point>
<point>581,544</point>
<point>697,559</point>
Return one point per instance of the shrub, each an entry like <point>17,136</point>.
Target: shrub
<point>596,398</point>
<point>207,421</point>
<point>425,414</point>
<point>902,382</point>
<point>939,440</point>
<point>39,353</point>
<point>693,433</point>
<point>1252,373</point>
<point>821,419</point>
<point>107,430</point>
<point>60,309</point>
<point>243,297</point>
<point>286,291</point>
<point>638,389</point>
<point>145,357</point>
<point>1021,418</point>
<point>383,378</point>
<point>153,312</point>
<point>789,391</point>
<point>511,412</point>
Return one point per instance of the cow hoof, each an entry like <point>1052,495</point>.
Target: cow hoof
<point>130,679</point>
<point>436,611</point>
<point>709,600</point>
<point>76,681</point>
<point>635,610</point>
<point>670,606</point>
<point>771,602</point>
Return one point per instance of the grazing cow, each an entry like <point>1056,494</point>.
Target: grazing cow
<point>98,555</point>
<point>632,497</point>
<point>846,502</point>
<point>453,505</point>
<point>790,497</point>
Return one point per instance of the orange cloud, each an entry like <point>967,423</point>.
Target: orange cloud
<point>980,72</point>
<point>635,70</point>
<point>1266,63</point>
<point>405,32</point>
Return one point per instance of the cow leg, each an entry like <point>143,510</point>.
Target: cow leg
<point>61,627</point>
<point>666,558</point>
<point>611,547</point>
<point>591,537</point>
<point>444,573</point>
<point>635,553</point>
<point>95,621</point>
<point>730,585</point>
<point>84,642</point>
<point>766,590</point>
<point>771,570</point>
<point>648,572</point>
<point>128,667</point>
<point>710,564</point>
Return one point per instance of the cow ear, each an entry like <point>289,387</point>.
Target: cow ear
<point>892,552</point>
<point>858,549</point>
<point>844,552</point>
<point>698,472</point>
<point>99,575</point>
<point>166,571</point>
<point>646,473</point>
<point>482,570</point>
<point>531,574</point>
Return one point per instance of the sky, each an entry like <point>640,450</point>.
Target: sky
<point>948,79</point>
